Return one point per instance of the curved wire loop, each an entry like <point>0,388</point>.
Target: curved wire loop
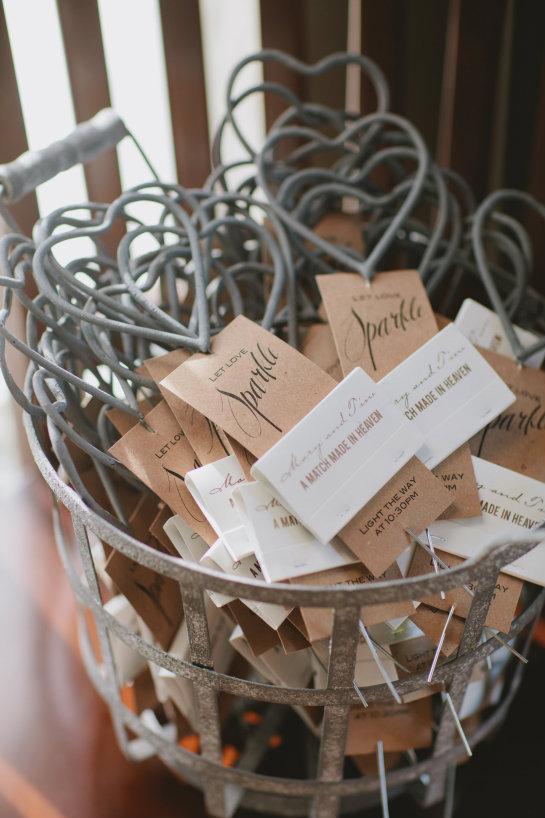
<point>190,260</point>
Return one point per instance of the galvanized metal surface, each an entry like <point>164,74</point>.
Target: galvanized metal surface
<point>178,276</point>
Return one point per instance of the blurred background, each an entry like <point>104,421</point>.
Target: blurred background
<point>469,75</point>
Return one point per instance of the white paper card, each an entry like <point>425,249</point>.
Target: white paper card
<point>277,667</point>
<point>339,455</point>
<point>483,327</point>
<point>191,547</point>
<point>384,634</point>
<point>510,503</point>
<point>211,487</point>
<point>187,542</point>
<point>283,546</point>
<point>448,392</point>
<point>219,558</point>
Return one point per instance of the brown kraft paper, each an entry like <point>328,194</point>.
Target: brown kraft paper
<point>342,230</point>
<point>319,347</point>
<point>431,621</point>
<point>207,440</point>
<point>260,636</point>
<point>413,498</point>
<point>377,325</point>
<point>123,421</point>
<point>254,386</point>
<point>516,438</point>
<point>417,656</point>
<point>399,726</point>
<point>504,599</point>
<point>457,476</point>
<point>155,598</point>
<point>160,458</point>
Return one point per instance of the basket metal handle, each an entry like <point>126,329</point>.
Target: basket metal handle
<point>87,140</point>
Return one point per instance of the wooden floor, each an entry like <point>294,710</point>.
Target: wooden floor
<point>58,754</point>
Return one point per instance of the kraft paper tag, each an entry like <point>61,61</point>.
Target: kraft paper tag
<point>416,654</point>
<point>155,598</point>
<point>483,327</point>
<point>319,346</point>
<point>160,366</point>
<point>377,325</point>
<point>510,502</point>
<point>504,599</point>
<point>431,621</point>
<point>398,726</point>
<point>318,621</point>
<point>253,385</point>
<point>245,458</point>
<point>515,439</point>
<point>291,638</point>
<point>457,476</point>
<point>207,440</point>
<point>160,458</point>
<point>212,487</point>
<point>187,542</point>
<point>442,321</point>
<point>366,669</point>
<point>448,391</point>
<point>334,461</point>
<point>343,230</point>
<point>413,498</point>
<point>368,764</point>
<point>260,636</point>
<point>123,421</point>
<point>284,548</point>
<point>143,516</point>
<point>158,533</point>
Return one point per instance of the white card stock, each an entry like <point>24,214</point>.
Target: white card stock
<point>187,542</point>
<point>192,548</point>
<point>366,671</point>
<point>218,558</point>
<point>510,503</point>
<point>211,487</point>
<point>328,466</point>
<point>181,690</point>
<point>283,546</point>
<point>448,392</point>
<point>483,327</point>
<point>128,662</point>
<point>277,667</point>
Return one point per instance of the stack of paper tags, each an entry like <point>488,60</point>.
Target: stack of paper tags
<point>265,465</point>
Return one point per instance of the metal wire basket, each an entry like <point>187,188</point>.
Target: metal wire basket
<point>324,792</point>
<point>208,258</point>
